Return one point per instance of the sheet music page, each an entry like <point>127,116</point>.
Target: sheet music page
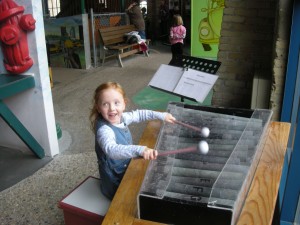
<point>166,77</point>
<point>195,84</point>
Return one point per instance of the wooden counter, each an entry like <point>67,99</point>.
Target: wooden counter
<point>260,202</point>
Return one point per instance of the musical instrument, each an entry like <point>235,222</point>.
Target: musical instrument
<point>192,188</point>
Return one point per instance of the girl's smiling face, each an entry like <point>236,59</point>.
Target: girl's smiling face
<point>111,105</point>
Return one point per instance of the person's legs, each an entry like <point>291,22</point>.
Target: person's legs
<point>179,48</point>
<point>177,52</point>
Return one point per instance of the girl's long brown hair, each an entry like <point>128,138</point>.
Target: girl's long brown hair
<point>177,20</point>
<point>94,114</point>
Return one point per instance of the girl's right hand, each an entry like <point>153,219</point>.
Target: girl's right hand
<point>170,118</point>
<point>150,154</point>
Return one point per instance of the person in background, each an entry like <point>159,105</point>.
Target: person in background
<point>144,12</point>
<point>176,9</point>
<point>113,144</point>
<point>164,18</point>
<point>147,22</point>
<point>136,17</point>
<point>177,35</point>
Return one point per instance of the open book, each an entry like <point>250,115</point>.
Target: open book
<point>184,82</point>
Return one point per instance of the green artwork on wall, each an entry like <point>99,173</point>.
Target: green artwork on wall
<point>206,27</point>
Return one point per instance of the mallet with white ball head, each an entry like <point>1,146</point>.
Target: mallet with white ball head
<point>204,131</point>
<point>202,148</point>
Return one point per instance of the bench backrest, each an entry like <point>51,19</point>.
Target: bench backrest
<point>114,35</point>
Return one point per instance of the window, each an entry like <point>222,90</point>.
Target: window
<point>103,2</point>
<point>53,7</point>
<point>143,4</point>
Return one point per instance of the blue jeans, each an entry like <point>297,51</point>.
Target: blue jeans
<point>142,33</point>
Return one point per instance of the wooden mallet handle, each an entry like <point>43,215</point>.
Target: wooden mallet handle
<point>188,126</point>
<point>183,150</point>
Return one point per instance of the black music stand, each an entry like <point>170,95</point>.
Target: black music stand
<point>204,65</point>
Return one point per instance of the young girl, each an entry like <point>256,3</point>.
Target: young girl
<point>177,34</point>
<point>114,146</point>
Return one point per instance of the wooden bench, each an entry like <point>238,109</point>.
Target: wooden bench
<point>112,40</point>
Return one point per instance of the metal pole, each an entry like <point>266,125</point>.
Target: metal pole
<point>93,38</point>
<point>122,6</point>
<point>82,6</point>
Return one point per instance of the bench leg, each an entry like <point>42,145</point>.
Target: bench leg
<point>20,130</point>
<point>119,60</point>
<point>103,60</point>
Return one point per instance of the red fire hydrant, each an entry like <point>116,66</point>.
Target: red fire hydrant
<point>13,36</point>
